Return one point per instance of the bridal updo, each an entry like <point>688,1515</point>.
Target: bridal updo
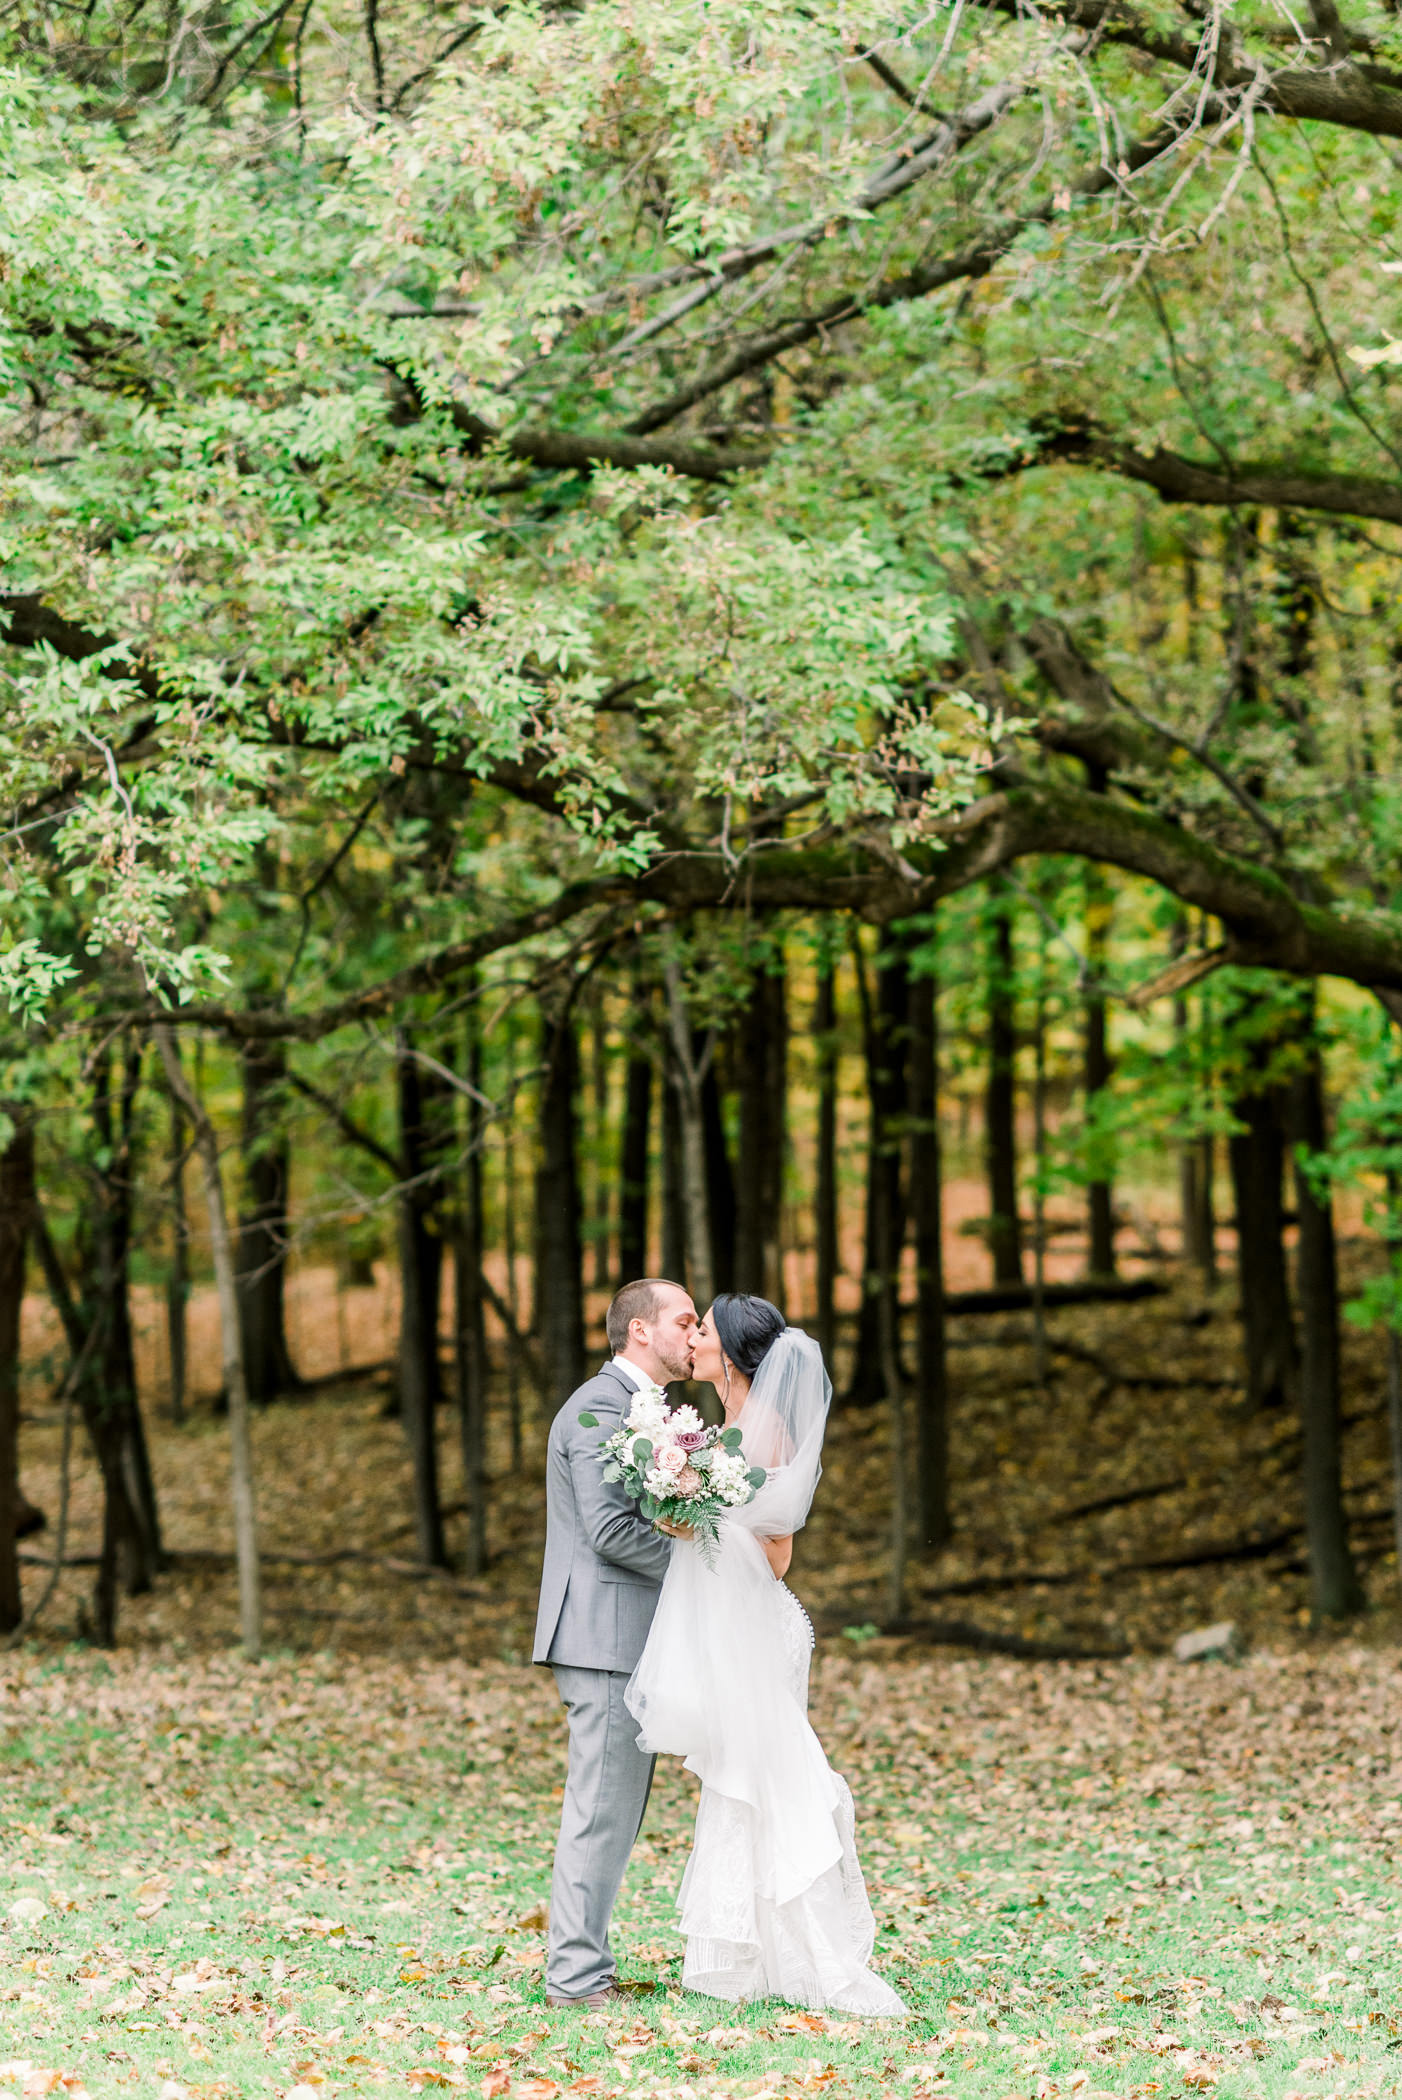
<point>746,1328</point>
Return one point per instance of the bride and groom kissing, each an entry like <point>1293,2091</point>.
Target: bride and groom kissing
<point>657,1647</point>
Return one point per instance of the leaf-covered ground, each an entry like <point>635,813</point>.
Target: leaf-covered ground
<point>326,1871</point>
<point>321,1875</point>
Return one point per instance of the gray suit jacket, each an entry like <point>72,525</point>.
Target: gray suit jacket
<point>604,1563</point>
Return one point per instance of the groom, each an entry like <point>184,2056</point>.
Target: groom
<point>603,1570</point>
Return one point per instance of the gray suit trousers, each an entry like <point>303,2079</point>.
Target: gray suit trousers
<point>606,1792</point>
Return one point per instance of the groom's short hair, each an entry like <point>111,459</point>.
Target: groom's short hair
<point>636,1301</point>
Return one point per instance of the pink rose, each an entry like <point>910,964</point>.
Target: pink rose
<point>689,1481</point>
<point>691,1439</point>
<point>670,1459</point>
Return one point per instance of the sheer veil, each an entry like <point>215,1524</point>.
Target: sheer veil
<point>713,1683</point>
<point>783,1421</point>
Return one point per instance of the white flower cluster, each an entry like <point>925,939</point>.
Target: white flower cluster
<point>648,1414</point>
<point>727,1475</point>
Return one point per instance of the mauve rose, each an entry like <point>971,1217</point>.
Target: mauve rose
<point>691,1439</point>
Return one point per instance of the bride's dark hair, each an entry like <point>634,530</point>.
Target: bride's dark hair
<point>747,1328</point>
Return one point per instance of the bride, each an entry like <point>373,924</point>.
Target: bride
<point>772,1902</point>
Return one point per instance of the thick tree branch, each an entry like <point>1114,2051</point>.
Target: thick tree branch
<point>580,451</point>
<point>1181,480</point>
<point>1267,925</point>
<point>1340,94</point>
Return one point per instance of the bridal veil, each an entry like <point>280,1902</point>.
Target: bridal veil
<point>773,1902</point>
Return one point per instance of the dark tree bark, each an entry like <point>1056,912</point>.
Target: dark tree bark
<point>720,1183</point>
<point>825,1190</point>
<point>1257,1154</point>
<point>1099,1192</point>
<point>420,1270</point>
<point>634,1149</point>
<point>888,1355</point>
<point>559,1295</point>
<point>1197,1165</point>
<point>262,1236</point>
<point>673,1188</point>
<point>1335,1590</point>
<point>1197,1159</point>
<point>16,1206</point>
<point>885,1030</point>
<point>762,1065</point>
<point>1000,1100</point>
<point>601,1189</point>
<point>132,1537</point>
<point>469,1323</point>
<point>931,1367</point>
<point>178,1269</point>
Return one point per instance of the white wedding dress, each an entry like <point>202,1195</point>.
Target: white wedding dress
<point>773,1904</point>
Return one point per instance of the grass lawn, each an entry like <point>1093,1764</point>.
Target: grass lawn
<point>325,1874</point>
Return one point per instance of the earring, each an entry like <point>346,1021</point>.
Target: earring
<point>726,1394</point>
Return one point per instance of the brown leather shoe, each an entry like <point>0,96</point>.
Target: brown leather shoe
<point>607,1994</point>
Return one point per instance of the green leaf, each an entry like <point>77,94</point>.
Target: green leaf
<point>642,1450</point>
<point>589,1421</point>
<point>730,1439</point>
<point>756,1476</point>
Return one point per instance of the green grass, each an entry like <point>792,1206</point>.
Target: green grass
<point>327,1873</point>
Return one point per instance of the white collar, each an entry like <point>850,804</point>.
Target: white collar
<point>636,1377</point>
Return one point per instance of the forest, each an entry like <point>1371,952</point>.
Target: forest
<point>755,643</point>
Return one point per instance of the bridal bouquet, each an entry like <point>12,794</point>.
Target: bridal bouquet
<point>675,1467</point>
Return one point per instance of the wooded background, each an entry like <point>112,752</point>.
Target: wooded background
<point>636,636</point>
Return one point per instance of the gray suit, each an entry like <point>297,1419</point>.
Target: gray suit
<point>603,1569</point>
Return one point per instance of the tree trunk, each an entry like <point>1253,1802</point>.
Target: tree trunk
<point>515,1350</point>
<point>601,1203</point>
<point>1335,1591</point>
<point>720,1182</point>
<point>262,1238</point>
<point>469,1325</point>
<point>931,1368</point>
<point>559,1296</point>
<point>178,1271</point>
<point>16,1204</point>
<point>235,1385</point>
<point>1267,1325</point>
<point>762,1061</point>
<point>1099,1191</point>
<point>673,1189</point>
<point>1202,1232</point>
<point>421,1278</point>
<point>1204,1209</point>
<point>111,1395</point>
<point>1039,1169</point>
<point>686,1081</point>
<point>885,1027</point>
<point>825,1189</point>
<point>1000,1100</point>
<point>634,1149</point>
<point>889,1355</point>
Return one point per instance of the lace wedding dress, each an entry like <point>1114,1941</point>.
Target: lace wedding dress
<point>772,1903</point>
